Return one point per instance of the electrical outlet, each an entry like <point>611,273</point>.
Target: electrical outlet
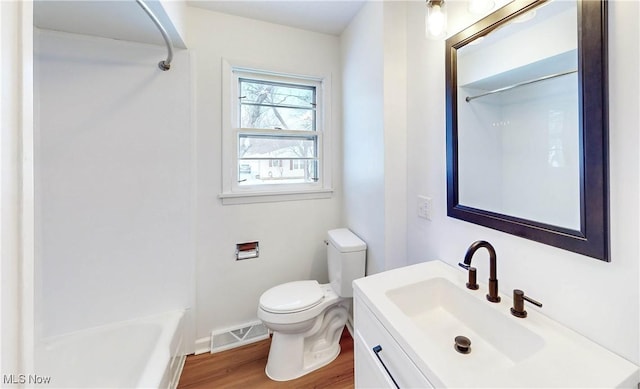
<point>425,207</point>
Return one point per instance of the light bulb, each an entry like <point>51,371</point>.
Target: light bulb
<point>436,20</point>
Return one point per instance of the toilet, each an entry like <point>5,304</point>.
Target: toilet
<point>306,317</point>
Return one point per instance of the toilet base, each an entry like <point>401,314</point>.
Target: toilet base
<point>293,355</point>
<point>281,367</point>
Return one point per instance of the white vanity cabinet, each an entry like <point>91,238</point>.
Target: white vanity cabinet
<point>414,314</point>
<point>391,367</point>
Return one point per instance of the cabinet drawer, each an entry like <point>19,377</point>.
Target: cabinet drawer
<point>370,335</point>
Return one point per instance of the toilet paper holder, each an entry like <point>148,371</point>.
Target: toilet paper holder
<point>247,250</point>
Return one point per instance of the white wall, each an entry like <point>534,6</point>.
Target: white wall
<point>16,187</point>
<point>10,185</point>
<point>395,134</point>
<point>375,164</point>
<point>364,148</point>
<point>599,300</point>
<point>290,233</point>
<point>115,182</point>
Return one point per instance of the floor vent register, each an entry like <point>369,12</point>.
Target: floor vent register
<point>231,338</point>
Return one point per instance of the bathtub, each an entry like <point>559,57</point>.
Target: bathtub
<point>142,353</point>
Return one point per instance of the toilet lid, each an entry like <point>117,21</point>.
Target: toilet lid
<point>292,297</point>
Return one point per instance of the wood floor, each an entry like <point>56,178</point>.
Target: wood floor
<point>243,367</point>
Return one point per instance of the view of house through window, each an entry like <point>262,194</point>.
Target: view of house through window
<point>278,138</point>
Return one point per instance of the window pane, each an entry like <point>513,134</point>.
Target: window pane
<point>266,156</point>
<point>272,105</point>
<point>276,147</point>
<point>260,116</point>
<point>276,171</point>
<point>273,93</point>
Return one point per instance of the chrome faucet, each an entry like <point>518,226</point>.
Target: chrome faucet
<point>493,278</point>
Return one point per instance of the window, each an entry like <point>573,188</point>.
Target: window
<point>274,137</point>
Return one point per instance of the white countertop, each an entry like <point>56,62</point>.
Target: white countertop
<point>507,351</point>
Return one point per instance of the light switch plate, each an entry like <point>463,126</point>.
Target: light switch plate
<point>425,207</point>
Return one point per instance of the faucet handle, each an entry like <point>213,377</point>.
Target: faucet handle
<point>473,283</point>
<point>473,278</point>
<point>518,303</point>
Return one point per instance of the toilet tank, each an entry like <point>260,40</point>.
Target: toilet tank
<point>346,254</point>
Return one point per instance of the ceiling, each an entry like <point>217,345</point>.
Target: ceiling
<point>114,19</point>
<point>125,20</point>
<point>324,16</point>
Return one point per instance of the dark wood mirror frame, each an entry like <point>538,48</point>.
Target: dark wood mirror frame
<point>593,237</point>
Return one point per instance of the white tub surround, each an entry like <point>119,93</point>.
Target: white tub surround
<point>115,183</point>
<point>141,353</point>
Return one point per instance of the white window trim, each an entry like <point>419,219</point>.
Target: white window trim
<point>235,194</point>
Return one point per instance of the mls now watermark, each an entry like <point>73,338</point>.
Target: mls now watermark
<point>31,379</point>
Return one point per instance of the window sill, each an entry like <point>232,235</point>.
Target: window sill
<point>271,197</point>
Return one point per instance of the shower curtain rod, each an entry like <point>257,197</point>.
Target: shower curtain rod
<point>166,64</point>
<point>506,88</point>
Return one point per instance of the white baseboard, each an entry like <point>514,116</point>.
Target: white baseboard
<point>203,345</point>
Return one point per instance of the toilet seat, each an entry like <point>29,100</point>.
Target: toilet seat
<point>292,297</point>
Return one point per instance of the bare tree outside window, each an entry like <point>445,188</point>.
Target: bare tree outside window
<point>289,110</point>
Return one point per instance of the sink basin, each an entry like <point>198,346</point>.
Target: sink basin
<point>425,306</point>
<point>446,311</point>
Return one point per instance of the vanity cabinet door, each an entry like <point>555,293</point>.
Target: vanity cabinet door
<point>391,362</point>
<point>369,373</point>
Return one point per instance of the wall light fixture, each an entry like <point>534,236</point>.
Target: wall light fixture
<point>436,19</point>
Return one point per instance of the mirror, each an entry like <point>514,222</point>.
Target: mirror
<point>527,124</point>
